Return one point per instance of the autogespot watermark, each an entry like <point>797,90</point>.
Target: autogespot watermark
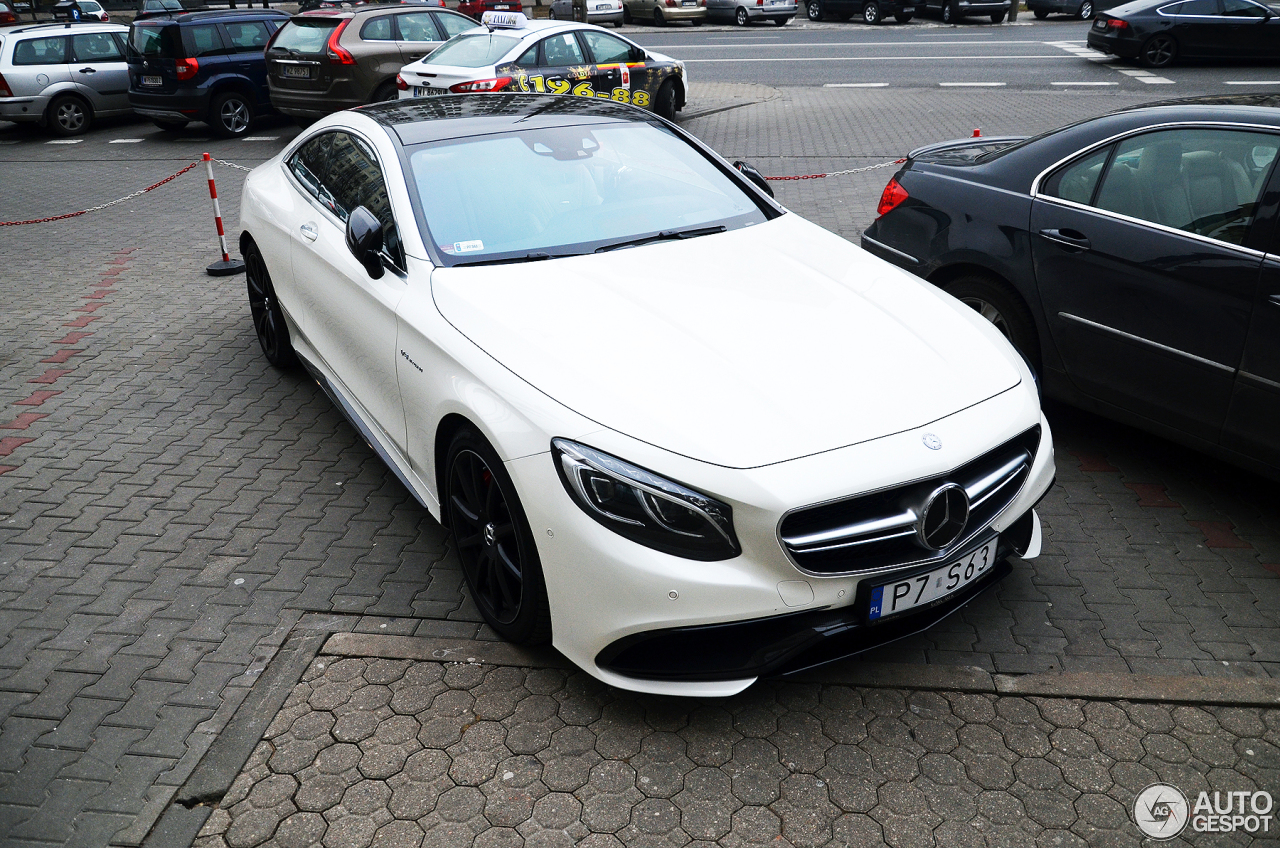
<point>1163,812</point>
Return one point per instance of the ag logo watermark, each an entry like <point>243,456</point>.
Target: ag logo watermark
<point>1163,812</point>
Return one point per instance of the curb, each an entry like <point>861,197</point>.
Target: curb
<point>1220,691</point>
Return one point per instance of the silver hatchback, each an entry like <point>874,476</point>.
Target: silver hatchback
<point>63,76</point>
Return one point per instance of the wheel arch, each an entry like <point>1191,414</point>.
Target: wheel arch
<point>449,427</point>
<point>69,90</point>
<point>1044,350</point>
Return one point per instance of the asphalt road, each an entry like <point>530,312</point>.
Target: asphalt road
<point>1048,55</point>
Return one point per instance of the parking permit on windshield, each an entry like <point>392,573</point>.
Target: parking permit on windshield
<point>467,246</point>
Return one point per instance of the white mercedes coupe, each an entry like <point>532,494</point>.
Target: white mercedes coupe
<point>683,434</point>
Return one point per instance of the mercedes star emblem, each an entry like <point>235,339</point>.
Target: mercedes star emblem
<point>943,518</point>
<point>932,442</point>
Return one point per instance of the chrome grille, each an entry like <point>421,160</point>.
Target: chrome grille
<point>880,529</point>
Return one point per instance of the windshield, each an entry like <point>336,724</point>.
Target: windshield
<point>568,190</point>
<point>153,41</point>
<point>472,51</point>
<point>305,36</point>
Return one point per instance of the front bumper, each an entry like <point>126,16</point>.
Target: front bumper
<point>647,621</point>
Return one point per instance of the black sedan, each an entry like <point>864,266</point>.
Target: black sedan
<point>1134,259</point>
<point>1159,33</point>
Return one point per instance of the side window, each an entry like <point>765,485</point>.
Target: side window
<point>309,160</point>
<point>1077,181</point>
<point>417,26</point>
<point>378,29</point>
<point>1200,181</point>
<point>1200,8</point>
<point>1242,9</point>
<point>247,36</point>
<point>453,24</point>
<point>530,58</point>
<point>561,50</point>
<point>40,51</point>
<point>606,48</point>
<point>96,47</point>
<point>202,40</point>
<point>353,179</point>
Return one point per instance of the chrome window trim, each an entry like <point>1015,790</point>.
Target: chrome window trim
<point>1263,380</point>
<point>1084,151</point>
<point>1140,339</point>
<point>893,250</point>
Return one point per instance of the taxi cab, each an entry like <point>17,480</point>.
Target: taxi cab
<point>511,53</point>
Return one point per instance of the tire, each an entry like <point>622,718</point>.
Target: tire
<point>551,14</point>
<point>664,103</point>
<point>999,304</point>
<point>169,126</point>
<point>813,9</point>
<point>1040,14</point>
<point>268,319</point>
<point>494,543</point>
<point>903,18</point>
<point>781,21</point>
<point>1086,11</point>
<point>998,18</point>
<point>68,115</point>
<point>950,14</point>
<point>626,15</point>
<point>696,22</point>
<point>386,91</point>
<point>871,12</point>
<point>1158,51</point>
<point>658,19</point>
<point>740,17</point>
<point>231,115</point>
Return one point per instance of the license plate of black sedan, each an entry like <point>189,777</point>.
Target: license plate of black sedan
<point>923,589</point>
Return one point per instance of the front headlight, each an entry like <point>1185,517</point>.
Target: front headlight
<point>645,508</point>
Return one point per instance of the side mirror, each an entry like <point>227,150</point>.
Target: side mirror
<point>638,55</point>
<point>364,240</point>
<point>750,172</point>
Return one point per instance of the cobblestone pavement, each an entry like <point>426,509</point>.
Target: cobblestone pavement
<point>172,510</point>
<point>400,753</point>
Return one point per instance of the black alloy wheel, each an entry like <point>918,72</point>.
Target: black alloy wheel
<point>813,9</point>
<point>1000,305</point>
<point>658,19</point>
<point>1086,11</point>
<point>626,14</point>
<point>871,12</point>
<point>494,542</point>
<point>1159,51</point>
<point>268,319</point>
<point>740,17</point>
<point>386,91</point>
<point>68,115</point>
<point>949,13</point>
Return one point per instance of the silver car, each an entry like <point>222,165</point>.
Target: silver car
<point>599,12</point>
<point>743,12</point>
<point>63,77</point>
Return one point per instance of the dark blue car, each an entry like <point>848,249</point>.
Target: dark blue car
<point>202,66</point>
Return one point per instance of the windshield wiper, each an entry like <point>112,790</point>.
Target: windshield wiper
<point>528,257</point>
<point>665,235</point>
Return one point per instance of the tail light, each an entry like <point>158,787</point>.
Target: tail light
<point>1116,23</point>
<point>401,84</point>
<point>272,39</point>
<point>672,3</point>
<point>5,91</point>
<point>186,68</point>
<point>495,84</point>
<point>7,17</point>
<point>338,53</point>
<point>891,197</point>
<point>105,17</point>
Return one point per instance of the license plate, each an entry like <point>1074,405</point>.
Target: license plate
<point>150,80</point>
<point>501,7</point>
<point>423,91</point>
<point>295,71</point>
<point>924,589</point>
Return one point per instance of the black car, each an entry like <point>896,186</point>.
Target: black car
<point>869,11</point>
<point>202,66</point>
<point>1133,259</point>
<point>1159,33</point>
<point>953,11</point>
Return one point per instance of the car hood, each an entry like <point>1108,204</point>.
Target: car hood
<point>740,349</point>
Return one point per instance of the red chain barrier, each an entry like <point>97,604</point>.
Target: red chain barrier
<point>103,206</point>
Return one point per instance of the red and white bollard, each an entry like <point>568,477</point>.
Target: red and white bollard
<point>227,266</point>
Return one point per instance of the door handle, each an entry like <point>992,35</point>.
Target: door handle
<point>309,232</point>
<point>88,70</point>
<point>1071,238</point>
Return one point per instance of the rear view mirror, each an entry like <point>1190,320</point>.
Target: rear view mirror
<point>364,240</point>
<point>638,55</point>
<point>750,172</point>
